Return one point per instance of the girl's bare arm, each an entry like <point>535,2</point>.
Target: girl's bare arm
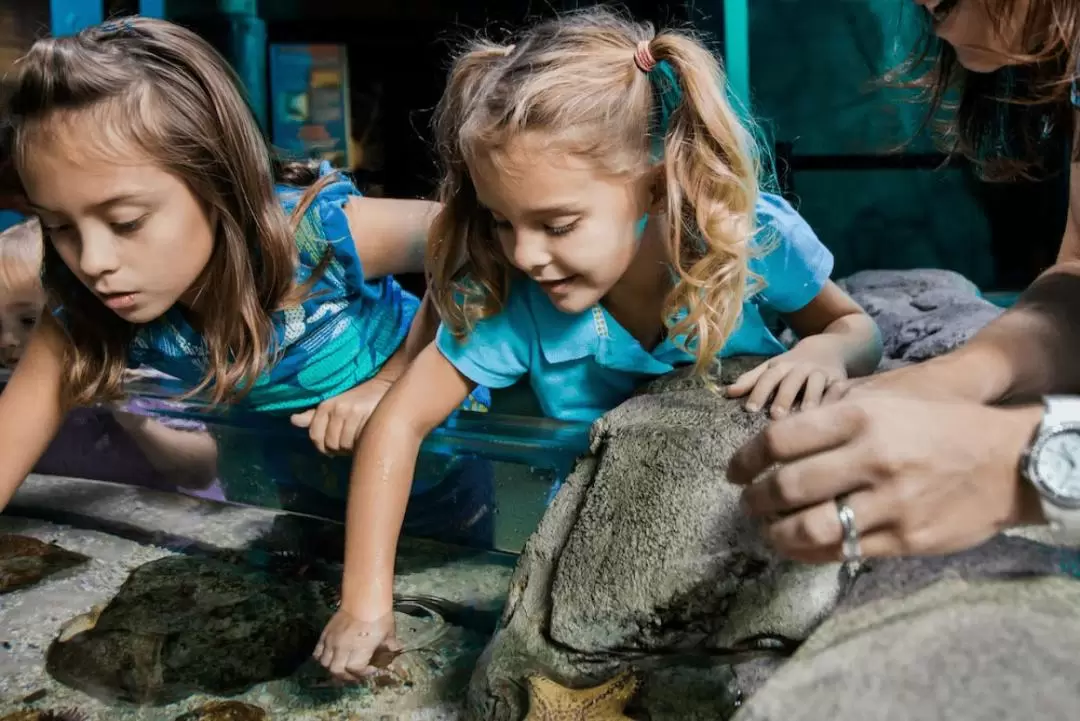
<point>382,475</point>
<point>30,409</point>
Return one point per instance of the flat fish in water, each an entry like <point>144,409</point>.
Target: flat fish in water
<point>225,711</point>
<point>69,714</point>
<point>24,561</point>
<point>180,626</point>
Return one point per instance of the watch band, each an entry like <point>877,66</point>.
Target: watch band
<point>1060,410</point>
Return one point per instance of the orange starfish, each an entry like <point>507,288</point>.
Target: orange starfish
<point>549,701</point>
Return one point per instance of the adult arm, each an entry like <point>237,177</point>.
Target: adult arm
<point>1031,350</point>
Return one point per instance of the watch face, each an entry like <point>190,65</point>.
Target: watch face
<point>1057,465</point>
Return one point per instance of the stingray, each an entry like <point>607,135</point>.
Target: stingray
<point>25,561</point>
<point>182,625</point>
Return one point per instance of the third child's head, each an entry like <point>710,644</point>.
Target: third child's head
<point>21,296</point>
<point>155,188</point>
<point>561,149</point>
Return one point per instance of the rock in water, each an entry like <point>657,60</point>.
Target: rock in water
<point>24,561</point>
<point>68,714</point>
<point>182,625</point>
<point>644,551</point>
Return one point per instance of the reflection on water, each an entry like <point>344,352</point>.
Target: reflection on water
<point>482,479</point>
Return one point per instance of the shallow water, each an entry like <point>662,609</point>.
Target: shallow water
<point>199,536</point>
<point>201,591</point>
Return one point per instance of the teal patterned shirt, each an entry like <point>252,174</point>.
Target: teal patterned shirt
<point>336,339</point>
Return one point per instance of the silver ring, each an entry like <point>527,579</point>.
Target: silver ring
<point>849,541</point>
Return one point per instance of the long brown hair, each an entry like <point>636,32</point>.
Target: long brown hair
<point>574,78</point>
<point>1005,122</point>
<point>165,89</point>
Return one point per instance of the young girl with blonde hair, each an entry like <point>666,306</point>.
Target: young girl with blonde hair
<point>601,225</point>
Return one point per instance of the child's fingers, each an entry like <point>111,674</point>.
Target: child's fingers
<point>788,391</point>
<point>350,431</point>
<point>746,381</point>
<point>317,429</point>
<point>814,390</point>
<point>765,387</point>
<point>303,420</point>
<point>351,660</point>
<point>333,438</point>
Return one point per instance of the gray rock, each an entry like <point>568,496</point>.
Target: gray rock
<point>921,313</point>
<point>911,282</point>
<point>645,550</point>
<point>946,323</point>
<point>986,634</point>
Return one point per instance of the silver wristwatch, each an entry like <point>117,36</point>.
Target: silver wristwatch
<point>1052,464</point>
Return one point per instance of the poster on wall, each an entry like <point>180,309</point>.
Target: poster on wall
<point>309,90</point>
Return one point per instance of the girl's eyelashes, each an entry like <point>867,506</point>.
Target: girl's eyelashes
<point>561,229</point>
<point>130,226</point>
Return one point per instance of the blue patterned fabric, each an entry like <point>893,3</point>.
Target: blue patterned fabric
<point>338,338</point>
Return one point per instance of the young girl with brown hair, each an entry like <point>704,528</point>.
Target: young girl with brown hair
<point>175,240</point>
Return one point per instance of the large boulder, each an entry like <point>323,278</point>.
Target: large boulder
<point>644,553</point>
<point>988,633</point>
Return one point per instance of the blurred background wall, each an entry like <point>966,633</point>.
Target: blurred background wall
<point>355,82</point>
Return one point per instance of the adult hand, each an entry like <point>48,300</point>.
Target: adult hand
<point>921,476</point>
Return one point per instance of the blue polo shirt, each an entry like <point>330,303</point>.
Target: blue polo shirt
<point>582,365</point>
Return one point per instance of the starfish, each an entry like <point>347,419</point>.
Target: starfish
<point>549,701</point>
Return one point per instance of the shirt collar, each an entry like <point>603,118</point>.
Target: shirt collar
<point>594,332</point>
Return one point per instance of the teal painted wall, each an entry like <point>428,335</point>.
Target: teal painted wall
<point>813,64</point>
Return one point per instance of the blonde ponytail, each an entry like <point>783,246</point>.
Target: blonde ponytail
<point>712,167</point>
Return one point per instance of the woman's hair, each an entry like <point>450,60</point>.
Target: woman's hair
<point>160,88</point>
<point>575,80</point>
<point>20,255</point>
<point>1006,122</point>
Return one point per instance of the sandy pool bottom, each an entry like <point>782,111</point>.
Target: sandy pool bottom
<point>32,617</point>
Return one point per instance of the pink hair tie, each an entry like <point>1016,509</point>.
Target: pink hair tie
<point>643,57</point>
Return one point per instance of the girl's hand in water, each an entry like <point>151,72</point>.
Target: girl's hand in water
<point>809,369</point>
<point>335,424</point>
<point>352,649</point>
